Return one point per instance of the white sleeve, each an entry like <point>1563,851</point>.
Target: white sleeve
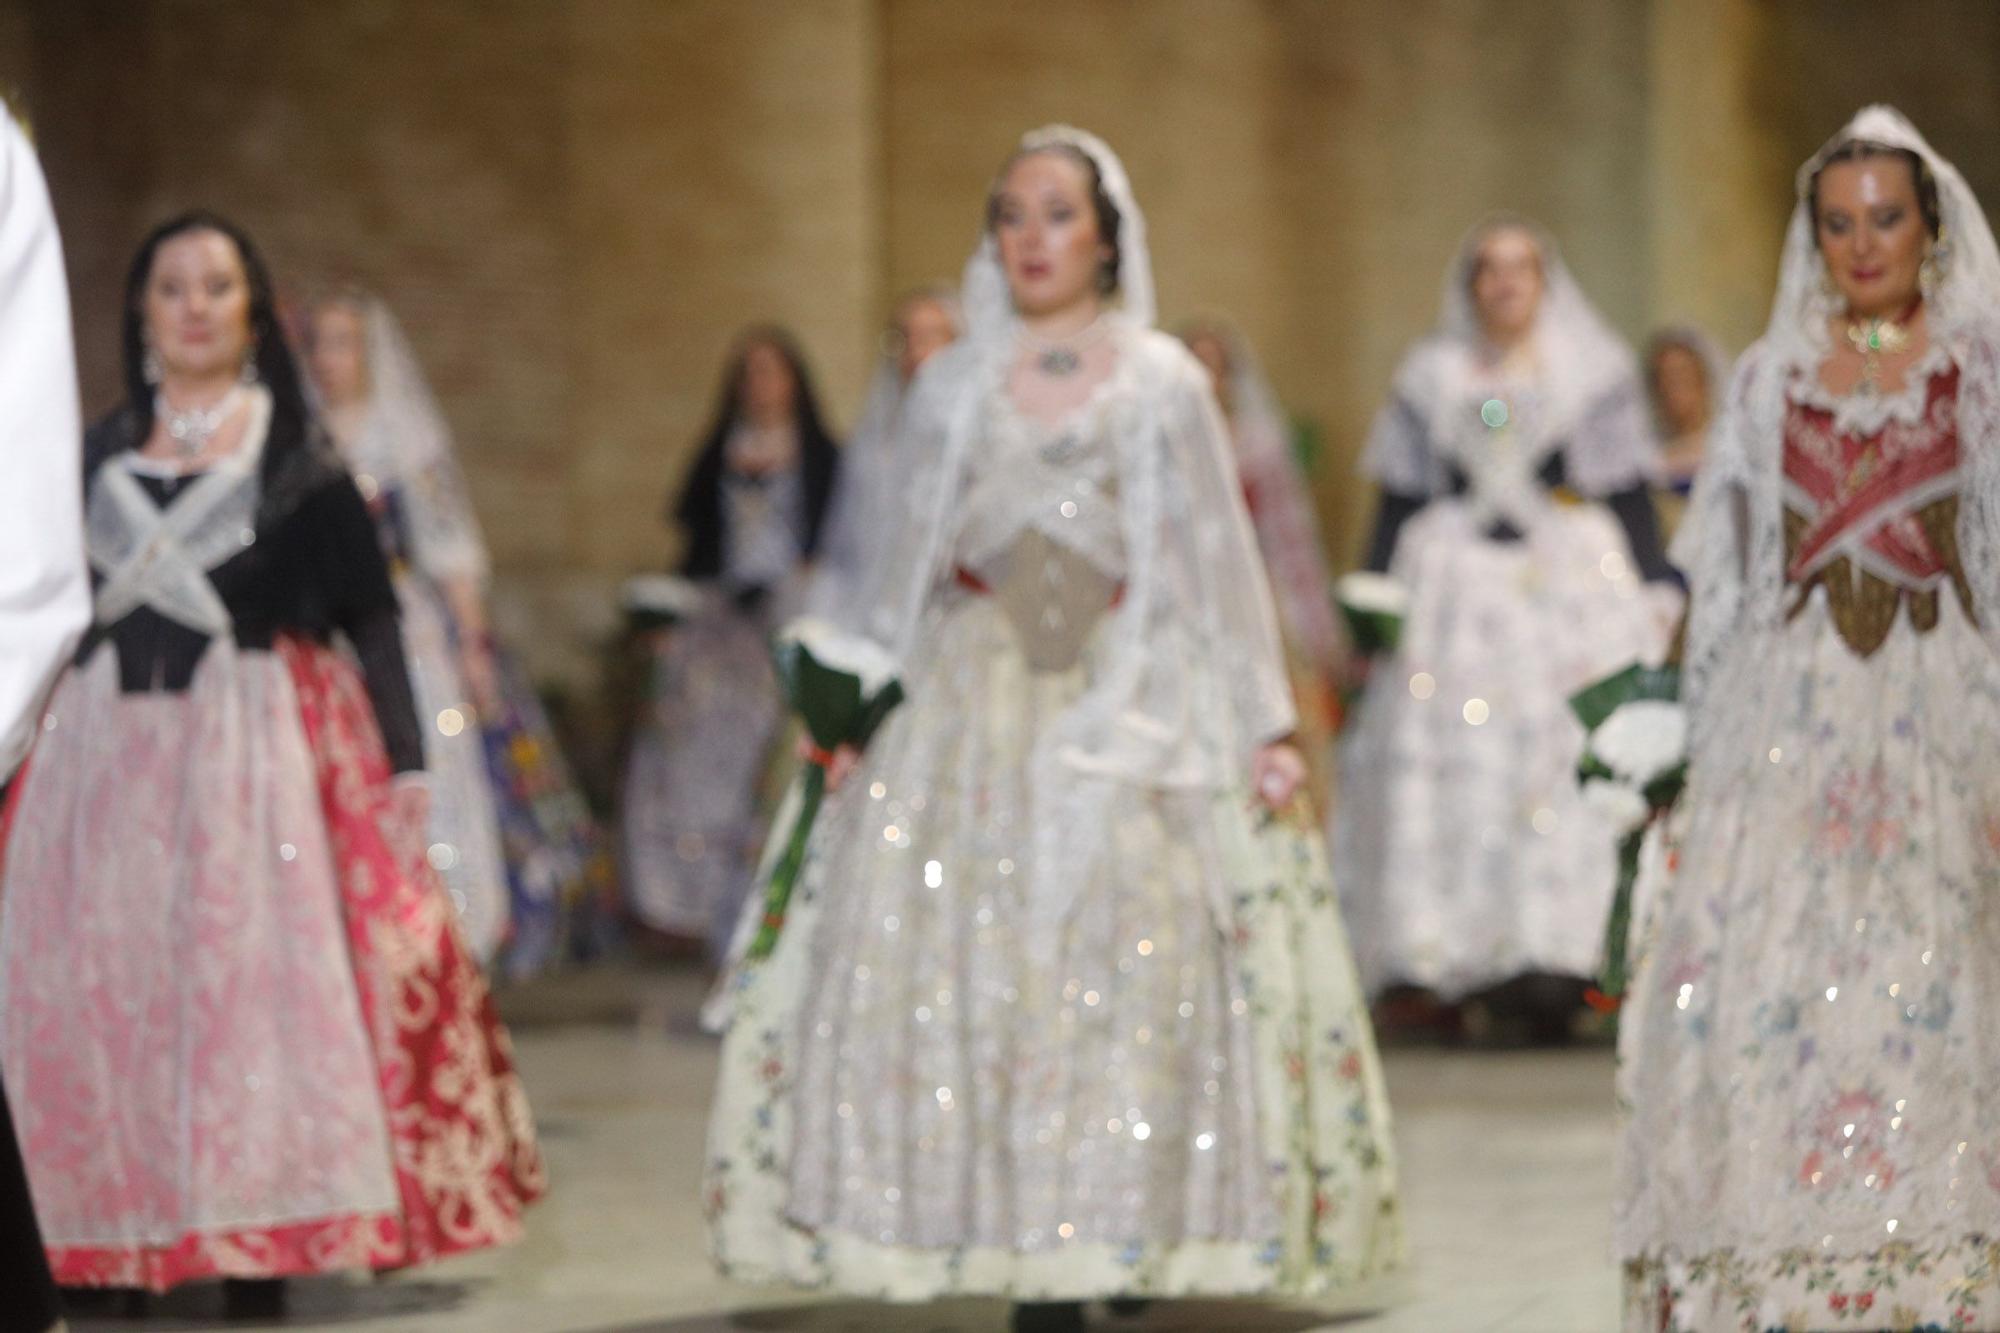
<point>44,591</point>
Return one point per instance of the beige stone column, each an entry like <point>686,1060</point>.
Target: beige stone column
<point>1719,186</point>
<point>724,169</point>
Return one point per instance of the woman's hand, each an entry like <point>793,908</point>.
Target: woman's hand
<point>843,762</point>
<point>1277,772</point>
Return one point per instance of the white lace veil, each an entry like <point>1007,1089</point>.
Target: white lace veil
<point>404,443</point>
<point>1288,531</point>
<point>1588,378</point>
<point>947,393</point>
<point>1189,676</point>
<point>1737,577</point>
<point>861,496</point>
<point>1696,341</point>
<point>990,320</point>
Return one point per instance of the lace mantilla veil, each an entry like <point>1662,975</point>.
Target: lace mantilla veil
<point>1591,403</point>
<point>403,441</point>
<point>1737,575</point>
<point>855,517</point>
<point>1190,676</point>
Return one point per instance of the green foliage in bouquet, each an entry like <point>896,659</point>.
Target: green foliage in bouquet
<point>1660,788</point>
<point>842,690</point>
<point>1596,702</point>
<point>1373,606</point>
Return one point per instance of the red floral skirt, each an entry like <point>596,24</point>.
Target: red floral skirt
<point>464,1142</point>
<point>460,1140</point>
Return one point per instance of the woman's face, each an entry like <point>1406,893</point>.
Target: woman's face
<point>1507,284</point>
<point>338,358</point>
<point>1681,381</point>
<point>196,306</point>
<point>1046,228</point>
<point>923,328</point>
<point>770,390</point>
<point>1872,234</point>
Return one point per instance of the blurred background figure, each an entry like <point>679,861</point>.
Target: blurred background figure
<point>44,590</point>
<point>509,832</point>
<point>1280,498</point>
<point>1516,460</point>
<point>1685,374</point>
<point>392,437</point>
<point>753,510</point>
<point>867,506</point>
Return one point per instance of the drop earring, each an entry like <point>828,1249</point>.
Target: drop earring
<point>150,369</point>
<point>1930,274</point>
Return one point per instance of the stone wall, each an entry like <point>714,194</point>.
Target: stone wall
<point>572,206</point>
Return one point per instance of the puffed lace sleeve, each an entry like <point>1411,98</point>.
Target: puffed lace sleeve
<point>1722,566</point>
<point>1979,462</point>
<point>1401,457</point>
<point>1614,447</point>
<point>1213,571</point>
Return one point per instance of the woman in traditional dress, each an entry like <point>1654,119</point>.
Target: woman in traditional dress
<point>925,322</point>
<point>393,438</point>
<point>1062,1008</point>
<point>509,832</point>
<point>753,510</point>
<point>1684,373</point>
<point>244,1038</point>
<point>1515,459</point>
<point>1280,499</point>
<point>1809,1051</point>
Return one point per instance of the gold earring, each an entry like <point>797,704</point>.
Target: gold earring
<point>1930,273</point>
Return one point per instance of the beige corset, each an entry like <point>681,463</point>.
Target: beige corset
<point>1053,598</point>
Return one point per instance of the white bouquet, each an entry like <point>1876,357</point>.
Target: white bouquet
<point>1374,606</point>
<point>655,601</point>
<point>1633,769</point>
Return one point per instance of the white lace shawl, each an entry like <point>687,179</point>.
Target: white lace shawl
<point>1737,577</point>
<point>1587,396</point>
<point>1190,678</point>
<point>404,444</point>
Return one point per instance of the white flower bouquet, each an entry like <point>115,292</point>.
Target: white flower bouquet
<point>1374,606</point>
<point>842,687</point>
<point>1633,769</point>
<point>657,601</point>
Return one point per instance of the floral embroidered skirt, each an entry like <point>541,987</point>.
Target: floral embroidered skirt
<point>692,806</point>
<point>1180,1096</point>
<point>559,864</point>
<point>1811,1053</point>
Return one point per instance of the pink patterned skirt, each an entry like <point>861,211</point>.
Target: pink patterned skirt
<point>242,1036</point>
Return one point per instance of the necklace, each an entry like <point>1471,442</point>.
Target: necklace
<point>1063,357</point>
<point>192,428</point>
<point>1878,337</point>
